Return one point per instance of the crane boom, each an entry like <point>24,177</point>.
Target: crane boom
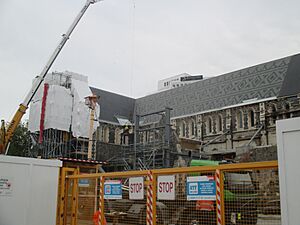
<point>6,134</point>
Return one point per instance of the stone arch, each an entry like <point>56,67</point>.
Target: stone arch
<point>219,123</point>
<point>273,112</point>
<point>287,106</point>
<point>118,136</point>
<point>272,108</point>
<point>183,129</point>
<point>240,119</point>
<point>287,110</point>
<point>192,128</point>
<point>105,134</point>
<point>251,118</point>
<point>111,136</point>
<point>209,125</point>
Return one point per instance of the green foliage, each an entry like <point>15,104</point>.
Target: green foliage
<point>21,141</point>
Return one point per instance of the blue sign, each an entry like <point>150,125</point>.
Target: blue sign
<point>83,183</point>
<point>198,188</point>
<point>112,189</point>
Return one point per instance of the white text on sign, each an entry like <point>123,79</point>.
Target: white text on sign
<point>166,188</point>
<point>136,188</point>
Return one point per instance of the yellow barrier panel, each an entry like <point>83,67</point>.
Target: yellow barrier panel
<point>242,194</point>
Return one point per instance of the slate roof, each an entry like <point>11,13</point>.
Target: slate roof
<point>112,105</point>
<point>277,78</point>
<point>257,82</point>
<point>291,83</point>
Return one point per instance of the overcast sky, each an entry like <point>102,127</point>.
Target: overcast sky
<point>126,46</point>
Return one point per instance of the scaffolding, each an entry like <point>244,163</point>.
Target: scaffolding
<point>152,144</point>
<point>62,105</point>
<point>57,143</point>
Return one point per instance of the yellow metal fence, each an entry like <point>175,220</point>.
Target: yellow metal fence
<point>243,194</point>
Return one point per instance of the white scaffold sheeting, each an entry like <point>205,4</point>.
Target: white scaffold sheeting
<point>65,105</point>
<point>58,108</point>
<point>80,112</point>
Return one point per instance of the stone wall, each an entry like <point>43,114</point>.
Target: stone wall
<point>106,151</point>
<point>258,154</point>
<point>263,154</point>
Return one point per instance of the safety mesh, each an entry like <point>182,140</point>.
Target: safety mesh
<point>187,207</point>
<point>87,201</point>
<point>252,197</point>
<point>125,210</point>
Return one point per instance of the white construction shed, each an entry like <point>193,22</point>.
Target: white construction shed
<point>28,190</point>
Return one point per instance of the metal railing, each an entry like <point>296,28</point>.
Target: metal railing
<point>243,194</point>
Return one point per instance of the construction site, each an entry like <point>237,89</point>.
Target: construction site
<point>200,150</point>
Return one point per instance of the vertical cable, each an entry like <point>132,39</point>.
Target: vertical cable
<point>132,49</point>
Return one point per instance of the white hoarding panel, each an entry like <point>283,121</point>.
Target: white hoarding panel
<point>136,188</point>
<point>288,142</point>
<point>166,187</point>
<point>6,186</point>
<point>28,191</point>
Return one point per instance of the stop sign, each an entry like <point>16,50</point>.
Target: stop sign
<point>166,187</point>
<point>136,188</point>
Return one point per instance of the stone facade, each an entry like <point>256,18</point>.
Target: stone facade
<point>237,125</point>
<point>225,130</point>
<point>232,112</point>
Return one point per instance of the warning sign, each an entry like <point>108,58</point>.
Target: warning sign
<point>166,187</point>
<point>112,189</point>
<point>6,186</point>
<point>201,188</point>
<point>136,188</point>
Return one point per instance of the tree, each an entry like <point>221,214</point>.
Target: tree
<point>21,142</point>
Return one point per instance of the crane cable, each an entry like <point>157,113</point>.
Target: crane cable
<point>133,49</point>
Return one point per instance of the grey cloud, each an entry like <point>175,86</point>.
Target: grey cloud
<point>169,37</point>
